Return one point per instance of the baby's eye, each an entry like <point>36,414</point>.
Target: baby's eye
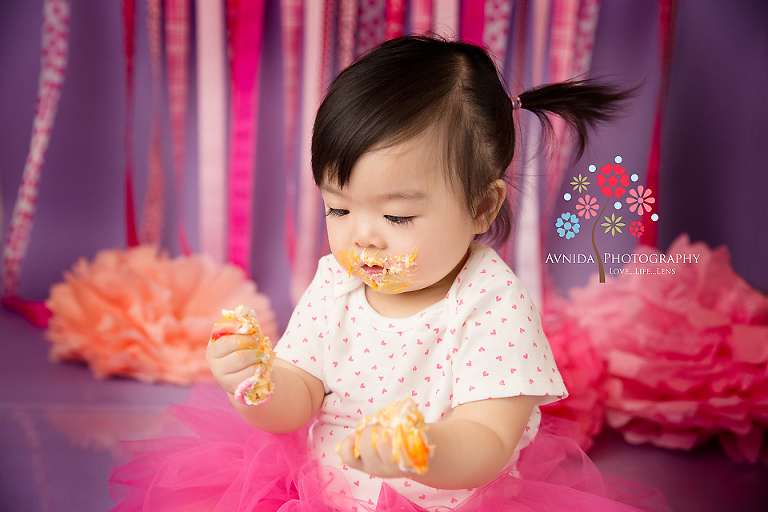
<point>394,219</point>
<point>336,212</point>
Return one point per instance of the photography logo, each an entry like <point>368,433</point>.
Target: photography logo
<point>632,206</point>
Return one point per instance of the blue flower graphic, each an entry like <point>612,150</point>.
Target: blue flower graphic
<point>567,225</point>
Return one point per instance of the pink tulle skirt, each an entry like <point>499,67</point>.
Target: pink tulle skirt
<point>212,460</point>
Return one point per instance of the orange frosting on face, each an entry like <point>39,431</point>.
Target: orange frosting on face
<point>385,274</point>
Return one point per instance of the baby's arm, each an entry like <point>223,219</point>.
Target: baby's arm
<point>297,395</point>
<point>470,449</point>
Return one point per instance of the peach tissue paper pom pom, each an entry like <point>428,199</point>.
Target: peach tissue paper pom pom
<point>138,313</point>
<point>686,351</point>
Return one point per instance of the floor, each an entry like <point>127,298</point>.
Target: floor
<point>59,427</point>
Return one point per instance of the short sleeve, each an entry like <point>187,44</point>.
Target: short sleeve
<point>502,350</point>
<point>305,338</point>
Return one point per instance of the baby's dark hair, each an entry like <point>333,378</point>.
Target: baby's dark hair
<point>408,85</point>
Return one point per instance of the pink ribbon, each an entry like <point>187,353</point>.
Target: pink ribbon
<point>129,48</point>
<point>472,21</point>
<point>527,240</point>
<point>347,29</point>
<point>667,11</point>
<point>291,23</point>
<point>394,19</point>
<point>445,18</point>
<point>152,219</point>
<point>421,16</point>
<point>308,225</point>
<point>370,25</point>
<point>496,28</point>
<point>211,129</point>
<point>177,54</point>
<point>55,46</point>
<point>246,21</point>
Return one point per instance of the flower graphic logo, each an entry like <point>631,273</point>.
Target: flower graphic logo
<point>640,200</point>
<point>587,206</point>
<point>636,229</point>
<point>612,180</point>
<point>567,225</point>
<point>613,224</point>
<point>580,183</point>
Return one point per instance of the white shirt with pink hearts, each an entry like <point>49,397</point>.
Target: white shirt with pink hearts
<point>483,341</point>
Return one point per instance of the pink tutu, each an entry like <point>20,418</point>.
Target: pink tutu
<point>212,460</point>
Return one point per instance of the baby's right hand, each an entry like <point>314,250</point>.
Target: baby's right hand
<point>231,359</point>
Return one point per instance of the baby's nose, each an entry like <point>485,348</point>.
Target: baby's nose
<point>368,238</point>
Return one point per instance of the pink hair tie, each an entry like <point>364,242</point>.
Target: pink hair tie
<point>516,103</point>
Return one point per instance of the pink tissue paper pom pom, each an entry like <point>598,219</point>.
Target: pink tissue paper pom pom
<point>138,313</point>
<point>686,352</point>
<point>583,372</point>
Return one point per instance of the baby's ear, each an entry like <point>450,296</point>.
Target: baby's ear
<point>487,209</point>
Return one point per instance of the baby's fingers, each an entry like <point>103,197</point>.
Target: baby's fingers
<point>228,344</point>
<point>374,450</point>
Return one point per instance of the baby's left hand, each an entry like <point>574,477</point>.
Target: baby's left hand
<point>374,460</point>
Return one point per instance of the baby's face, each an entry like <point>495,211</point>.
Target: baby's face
<point>397,224</point>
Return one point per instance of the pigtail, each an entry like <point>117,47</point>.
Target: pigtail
<point>582,104</point>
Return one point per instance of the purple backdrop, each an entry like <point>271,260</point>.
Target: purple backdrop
<point>713,161</point>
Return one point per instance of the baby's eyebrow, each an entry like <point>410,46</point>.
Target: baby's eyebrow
<point>411,195</point>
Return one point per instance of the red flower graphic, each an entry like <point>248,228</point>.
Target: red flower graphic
<point>612,176</point>
<point>637,229</point>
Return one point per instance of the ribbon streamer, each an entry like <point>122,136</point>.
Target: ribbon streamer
<point>211,128</point>
<point>176,55</point>
<point>496,29</point>
<point>667,12</point>
<point>55,47</point>
<point>152,219</point>
<point>394,19</point>
<point>472,21</point>
<point>129,49</point>
<point>445,18</point>
<point>421,16</point>
<point>246,20</point>
<point>527,241</point>
<point>291,23</point>
<point>308,202</point>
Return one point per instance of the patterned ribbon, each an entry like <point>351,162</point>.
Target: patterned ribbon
<point>667,11</point>
<point>370,26</point>
<point>177,58</point>
<point>246,21</point>
<point>496,29</point>
<point>291,25</point>
<point>394,19</point>
<point>152,220</point>
<point>347,29</point>
<point>129,49</point>
<point>211,128</point>
<point>55,47</point>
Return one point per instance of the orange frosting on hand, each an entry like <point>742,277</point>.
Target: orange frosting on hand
<point>257,389</point>
<point>402,425</point>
